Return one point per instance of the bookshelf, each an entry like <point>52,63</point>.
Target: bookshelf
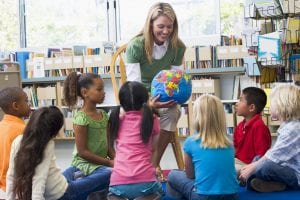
<point>273,27</point>
<point>9,76</point>
<point>45,88</point>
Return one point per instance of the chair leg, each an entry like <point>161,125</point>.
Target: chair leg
<point>177,150</point>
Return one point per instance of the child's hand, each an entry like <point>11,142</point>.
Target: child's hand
<point>154,103</point>
<point>111,163</point>
<point>246,171</point>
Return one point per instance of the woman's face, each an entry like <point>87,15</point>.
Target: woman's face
<point>162,28</point>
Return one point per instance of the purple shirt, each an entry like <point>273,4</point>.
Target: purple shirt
<point>132,163</point>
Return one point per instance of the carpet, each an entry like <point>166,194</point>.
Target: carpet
<point>245,194</point>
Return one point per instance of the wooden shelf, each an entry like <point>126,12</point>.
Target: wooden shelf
<point>56,79</point>
<point>216,70</point>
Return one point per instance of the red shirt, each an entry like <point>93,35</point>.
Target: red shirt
<point>251,139</point>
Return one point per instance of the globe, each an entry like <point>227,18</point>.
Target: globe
<point>172,85</point>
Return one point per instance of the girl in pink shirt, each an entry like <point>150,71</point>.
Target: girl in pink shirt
<point>134,136</point>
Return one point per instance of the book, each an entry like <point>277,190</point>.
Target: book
<point>251,66</point>
<point>79,50</point>
<point>21,58</point>
<point>295,63</point>
<point>292,32</point>
<point>267,8</point>
<point>290,6</point>
<point>269,48</point>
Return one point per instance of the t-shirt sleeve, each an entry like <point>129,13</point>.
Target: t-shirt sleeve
<point>187,146</point>
<point>80,118</point>
<point>179,57</point>
<point>134,51</point>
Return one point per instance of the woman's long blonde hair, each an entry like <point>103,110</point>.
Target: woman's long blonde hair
<point>209,122</point>
<point>157,10</point>
<point>285,101</point>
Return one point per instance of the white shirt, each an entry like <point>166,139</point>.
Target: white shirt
<point>133,70</point>
<point>47,183</point>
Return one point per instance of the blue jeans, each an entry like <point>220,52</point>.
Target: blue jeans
<point>131,191</point>
<point>270,171</point>
<point>80,187</point>
<point>181,187</point>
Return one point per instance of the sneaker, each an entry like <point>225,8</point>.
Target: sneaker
<point>260,185</point>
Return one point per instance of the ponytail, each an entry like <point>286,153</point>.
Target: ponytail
<point>113,125</point>
<point>71,89</point>
<point>147,123</point>
<point>73,85</point>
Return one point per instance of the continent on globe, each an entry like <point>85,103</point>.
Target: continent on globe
<point>172,85</point>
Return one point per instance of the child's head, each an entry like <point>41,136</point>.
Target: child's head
<point>209,122</point>
<point>285,102</point>
<point>14,101</point>
<point>133,97</point>
<point>90,87</point>
<point>252,101</point>
<point>43,125</point>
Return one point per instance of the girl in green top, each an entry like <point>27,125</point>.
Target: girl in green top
<point>157,48</point>
<point>91,157</point>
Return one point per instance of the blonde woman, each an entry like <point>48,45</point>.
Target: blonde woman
<point>209,157</point>
<point>157,48</point>
<point>279,168</point>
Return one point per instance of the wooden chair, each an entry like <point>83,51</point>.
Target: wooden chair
<point>118,60</point>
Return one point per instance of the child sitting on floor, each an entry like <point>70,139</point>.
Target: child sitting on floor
<point>14,103</point>
<point>251,137</point>
<point>209,157</point>
<point>280,167</point>
<point>135,134</point>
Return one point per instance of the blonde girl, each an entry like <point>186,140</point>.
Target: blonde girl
<point>209,157</point>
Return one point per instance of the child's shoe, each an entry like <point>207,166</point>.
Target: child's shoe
<point>260,185</point>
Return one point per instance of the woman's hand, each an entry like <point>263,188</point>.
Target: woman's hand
<point>154,103</point>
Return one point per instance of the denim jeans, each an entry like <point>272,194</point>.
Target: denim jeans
<point>131,191</point>
<point>80,187</point>
<point>181,187</point>
<point>270,171</point>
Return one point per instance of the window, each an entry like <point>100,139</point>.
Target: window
<point>232,17</point>
<point>9,27</point>
<point>199,20</point>
<point>65,22</point>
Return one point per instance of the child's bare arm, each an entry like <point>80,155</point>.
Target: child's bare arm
<point>189,167</point>
<point>111,150</point>
<point>154,149</point>
<point>81,144</point>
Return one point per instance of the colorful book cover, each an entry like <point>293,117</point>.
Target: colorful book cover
<point>269,48</point>
<point>251,66</point>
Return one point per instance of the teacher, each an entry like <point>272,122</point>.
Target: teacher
<point>157,47</point>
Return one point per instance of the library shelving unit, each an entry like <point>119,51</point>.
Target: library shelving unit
<point>273,34</point>
<point>44,87</point>
<point>9,76</point>
<point>206,65</point>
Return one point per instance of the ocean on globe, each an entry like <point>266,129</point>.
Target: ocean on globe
<point>172,85</point>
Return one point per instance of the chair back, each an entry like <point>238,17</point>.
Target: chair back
<point>117,64</point>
